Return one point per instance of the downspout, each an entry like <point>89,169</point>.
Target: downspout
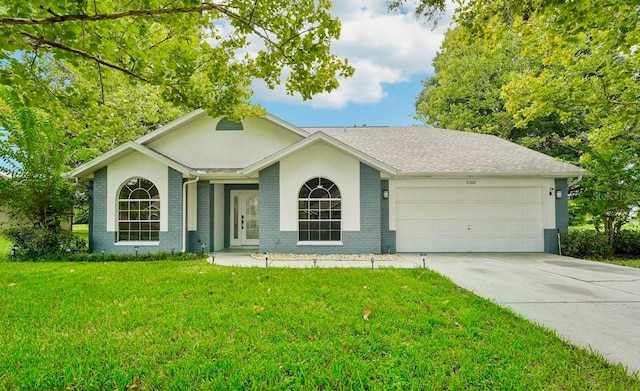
<point>184,211</point>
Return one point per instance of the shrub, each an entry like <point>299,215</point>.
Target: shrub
<point>84,257</point>
<point>593,245</point>
<point>628,243</point>
<point>584,244</point>
<point>35,242</point>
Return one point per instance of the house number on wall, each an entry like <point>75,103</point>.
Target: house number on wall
<point>471,182</point>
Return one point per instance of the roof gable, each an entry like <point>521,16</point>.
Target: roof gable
<point>319,137</point>
<point>199,113</point>
<point>85,170</point>
<point>201,146</point>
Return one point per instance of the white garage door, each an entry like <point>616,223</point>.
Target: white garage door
<point>469,220</point>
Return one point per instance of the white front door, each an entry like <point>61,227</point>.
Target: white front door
<point>244,218</point>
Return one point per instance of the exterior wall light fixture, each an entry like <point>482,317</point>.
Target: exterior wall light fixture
<point>385,194</point>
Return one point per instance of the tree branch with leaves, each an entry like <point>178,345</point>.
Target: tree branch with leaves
<point>202,54</point>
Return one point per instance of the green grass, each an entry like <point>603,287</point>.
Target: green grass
<point>633,225</point>
<point>5,247</point>
<point>189,325</point>
<point>622,262</point>
<point>81,230</point>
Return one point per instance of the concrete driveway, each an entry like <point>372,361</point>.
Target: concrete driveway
<point>591,304</point>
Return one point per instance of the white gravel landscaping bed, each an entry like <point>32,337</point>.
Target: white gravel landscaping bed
<point>328,257</point>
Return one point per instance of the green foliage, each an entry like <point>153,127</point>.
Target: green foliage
<point>612,190</point>
<point>429,9</point>
<point>196,53</point>
<point>586,244</point>
<point>5,247</point>
<point>94,112</point>
<point>590,74</point>
<point>33,154</point>
<point>472,70</point>
<point>560,77</point>
<point>190,325</point>
<point>81,256</point>
<point>576,215</point>
<point>591,244</point>
<point>33,242</point>
<point>81,215</point>
<point>628,243</point>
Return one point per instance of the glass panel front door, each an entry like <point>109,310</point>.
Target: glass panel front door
<point>244,218</point>
<point>251,218</point>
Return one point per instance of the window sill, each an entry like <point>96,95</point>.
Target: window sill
<point>320,243</point>
<point>137,243</point>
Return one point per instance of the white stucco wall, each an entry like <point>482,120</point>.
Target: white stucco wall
<point>131,166</point>
<point>543,184</point>
<point>198,144</point>
<point>319,160</point>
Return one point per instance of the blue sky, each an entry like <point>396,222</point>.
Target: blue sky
<point>396,108</point>
<point>392,55</point>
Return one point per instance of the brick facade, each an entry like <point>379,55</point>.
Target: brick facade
<point>374,235</point>
<point>367,240</point>
<point>204,212</point>
<point>100,239</point>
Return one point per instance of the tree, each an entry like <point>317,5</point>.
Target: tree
<point>35,195</point>
<point>429,9</point>
<point>612,190</point>
<point>466,91</point>
<point>553,71</point>
<point>94,120</point>
<point>198,53</point>
<point>591,74</point>
<point>30,150</point>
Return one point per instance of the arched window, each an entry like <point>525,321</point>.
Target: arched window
<point>138,211</point>
<point>319,211</point>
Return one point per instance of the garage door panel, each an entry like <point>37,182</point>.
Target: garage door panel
<point>480,219</point>
<point>438,211</point>
<point>464,210</point>
<point>436,229</point>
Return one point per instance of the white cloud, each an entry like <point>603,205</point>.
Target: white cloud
<point>384,48</point>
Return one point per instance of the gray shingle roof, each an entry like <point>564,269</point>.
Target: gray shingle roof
<point>424,150</point>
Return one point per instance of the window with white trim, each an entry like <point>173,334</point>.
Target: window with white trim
<point>319,211</point>
<point>138,211</point>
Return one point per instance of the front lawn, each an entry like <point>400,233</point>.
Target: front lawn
<point>622,261</point>
<point>190,325</point>
<point>81,230</point>
<point>5,248</point>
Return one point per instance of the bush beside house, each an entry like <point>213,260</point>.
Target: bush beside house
<point>594,245</point>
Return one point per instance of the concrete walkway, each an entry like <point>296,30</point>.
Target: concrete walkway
<point>591,304</point>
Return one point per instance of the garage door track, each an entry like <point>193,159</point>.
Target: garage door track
<point>591,304</point>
